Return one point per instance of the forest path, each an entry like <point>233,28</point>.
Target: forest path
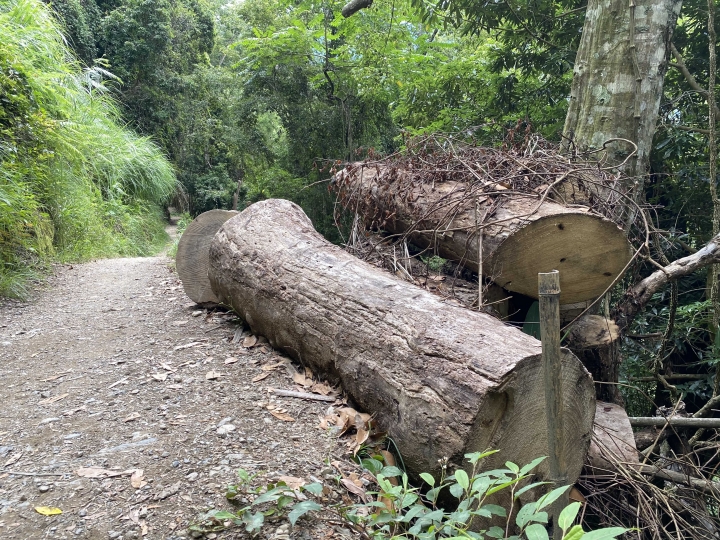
<point>108,367</point>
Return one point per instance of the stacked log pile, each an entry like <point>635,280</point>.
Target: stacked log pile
<point>508,217</point>
<point>442,380</point>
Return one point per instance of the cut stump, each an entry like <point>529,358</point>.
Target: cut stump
<point>523,234</point>
<point>442,380</point>
<point>191,260</point>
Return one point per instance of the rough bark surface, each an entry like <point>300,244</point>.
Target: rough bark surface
<point>522,235</point>
<point>442,380</point>
<point>191,261</point>
<point>618,79</point>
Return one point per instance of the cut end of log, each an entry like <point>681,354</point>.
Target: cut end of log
<point>613,440</point>
<point>520,430</point>
<point>591,331</point>
<point>588,250</point>
<point>191,260</point>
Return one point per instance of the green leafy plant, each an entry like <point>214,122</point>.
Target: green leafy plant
<point>403,511</point>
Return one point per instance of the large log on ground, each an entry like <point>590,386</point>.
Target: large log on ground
<point>441,379</point>
<point>523,233</point>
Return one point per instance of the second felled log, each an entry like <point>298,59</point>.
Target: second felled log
<point>442,380</point>
<point>523,233</point>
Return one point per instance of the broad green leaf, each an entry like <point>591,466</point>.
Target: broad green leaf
<point>536,532</point>
<point>301,509</point>
<point>524,515</point>
<point>551,497</point>
<point>253,522</point>
<point>530,466</point>
<point>391,471</point>
<point>314,488</point>
<point>567,516</point>
<point>528,487</point>
<point>415,511</point>
<point>372,465</point>
<point>496,532</point>
<point>605,534</point>
<point>514,468</point>
<point>576,533</point>
<point>462,478</point>
<point>475,456</point>
<point>428,478</point>
<point>457,491</point>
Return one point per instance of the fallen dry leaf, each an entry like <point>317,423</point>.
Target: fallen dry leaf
<point>48,510</point>
<point>230,360</point>
<point>272,367</point>
<point>136,479</point>
<point>282,416</point>
<point>13,459</point>
<point>212,375</point>
<point>250,341</point>
<point>133,416</point>
<point>292,482</point>
<point>321,388</point>
<point>159,376</point>
<point>167,367</point>
<point>99,472</point>
<point>261,376</point>
<point>353,488</point>
<point>300,379</point>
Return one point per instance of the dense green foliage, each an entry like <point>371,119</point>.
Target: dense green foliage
<point>74,183</point>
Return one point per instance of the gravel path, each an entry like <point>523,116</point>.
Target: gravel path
<point>111,366</point>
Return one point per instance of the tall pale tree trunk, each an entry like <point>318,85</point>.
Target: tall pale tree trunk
<point>614,102</point>
<point>618,80</point>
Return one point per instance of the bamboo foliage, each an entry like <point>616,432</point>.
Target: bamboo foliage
<point>74,182</point>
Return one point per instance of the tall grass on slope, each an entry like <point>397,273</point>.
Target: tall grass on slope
<point>74,183</point>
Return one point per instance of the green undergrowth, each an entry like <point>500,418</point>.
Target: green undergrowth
<point>75,184</point>
<point>398,510</point>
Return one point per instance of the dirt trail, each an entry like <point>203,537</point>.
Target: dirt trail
<point>82,370</point>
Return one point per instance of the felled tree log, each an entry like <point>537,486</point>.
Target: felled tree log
<point>522,234</point>
<point>441,379</point>
<point>191,260</point>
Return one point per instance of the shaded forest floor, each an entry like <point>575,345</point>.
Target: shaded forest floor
<point>111,366</point>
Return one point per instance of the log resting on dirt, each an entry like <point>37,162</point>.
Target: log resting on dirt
<point>191,260</point>
<point>441,379</point>
<point>522,235</point>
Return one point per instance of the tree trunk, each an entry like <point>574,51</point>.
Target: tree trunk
<point>618,81</point>
<point>617,86</point>
<point>522,234</point>
<point>442,380</point>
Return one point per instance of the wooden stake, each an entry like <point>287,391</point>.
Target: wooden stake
<point>549,296</point>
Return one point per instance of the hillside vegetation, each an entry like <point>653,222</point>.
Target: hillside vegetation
<point>75,183</point>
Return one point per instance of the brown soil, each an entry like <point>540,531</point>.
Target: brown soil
<point>78,390</point>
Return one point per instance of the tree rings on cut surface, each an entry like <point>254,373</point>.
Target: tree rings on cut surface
<point>191,260</point>
<point>589,251</point>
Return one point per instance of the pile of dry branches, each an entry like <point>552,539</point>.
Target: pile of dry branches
<point>536,169</point>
